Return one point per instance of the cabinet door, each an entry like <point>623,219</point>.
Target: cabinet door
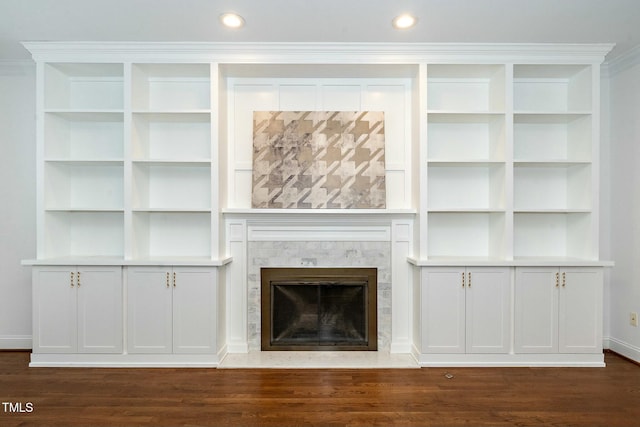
<point>488,313</point>
<point>194,310</point>
<point>580,313</point>
<point>149,324</point>
<point>443,310</point>
<point>54,310</point>
<point>99,309</point>
<point>536,310</point>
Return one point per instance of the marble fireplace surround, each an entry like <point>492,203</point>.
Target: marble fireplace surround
<point>377,238</point>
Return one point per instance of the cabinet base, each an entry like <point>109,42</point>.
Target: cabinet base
<point>125,360</point>
<point>595,360</point>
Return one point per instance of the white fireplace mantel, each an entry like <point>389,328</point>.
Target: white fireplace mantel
<point>314,225</point>
<point>315,214</point>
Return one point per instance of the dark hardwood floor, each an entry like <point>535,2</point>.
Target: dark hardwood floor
<point>408,397</point>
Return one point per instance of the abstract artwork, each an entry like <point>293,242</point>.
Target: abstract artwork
<point>318,159</point>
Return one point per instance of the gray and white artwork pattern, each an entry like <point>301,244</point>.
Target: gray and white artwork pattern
<point>318,159</point>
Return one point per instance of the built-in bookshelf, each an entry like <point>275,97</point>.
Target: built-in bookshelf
<point>511,161</point>
<point>127,181</point>
<point>83,160</point>
<point>144,173</point>
<point>466,169</point>
<point>554,161</point>
<point>138,149</point>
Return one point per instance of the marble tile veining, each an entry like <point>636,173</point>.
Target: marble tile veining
<point>319,254</point>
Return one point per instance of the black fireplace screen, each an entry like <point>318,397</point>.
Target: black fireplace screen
<point>319,309</point>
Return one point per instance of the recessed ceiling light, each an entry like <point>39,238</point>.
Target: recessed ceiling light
<point>404,21</point>
<point>232,20</point>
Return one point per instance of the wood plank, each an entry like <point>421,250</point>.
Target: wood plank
<point>338,397</point>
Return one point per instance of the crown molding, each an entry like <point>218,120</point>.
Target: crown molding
<point>623,62</point>
<point>380,53</point>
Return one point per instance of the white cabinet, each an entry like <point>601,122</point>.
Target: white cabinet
<point>171,309</point>
<point>558,310</point>
<point>465,310</point>
<point>77,309</point>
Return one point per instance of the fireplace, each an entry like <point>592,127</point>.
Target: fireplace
<point>317,309</point>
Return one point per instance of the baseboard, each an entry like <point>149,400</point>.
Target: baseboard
<point>124,360</point>
<point>625,349</point>
<point>15,342</point>
<point>559,360</point>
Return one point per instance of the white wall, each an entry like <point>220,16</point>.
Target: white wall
<point>624,291</point>
<point>605,198</point>
<point>17,201</point>
<point>271,94</point>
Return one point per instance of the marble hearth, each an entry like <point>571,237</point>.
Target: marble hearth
<point>259,238</point>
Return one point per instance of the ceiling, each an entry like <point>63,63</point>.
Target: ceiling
<point>510,21</point>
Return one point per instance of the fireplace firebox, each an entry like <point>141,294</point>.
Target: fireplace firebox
<point>317,309</point>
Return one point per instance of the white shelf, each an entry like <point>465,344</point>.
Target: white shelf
<point>548,137</point>
<point>171,234</point>
<point>73,135</point>
<point>83,233</point>
<point>464,136</point>
<point>552,234</point>
<point>175,136</point>
<point>466,210</point>
<point>466,234</point>
<point>171,186</point>
<point>540,261</point>
<point>84,185</point>
<point>466,186</point>
<point>467,88</point>
<point>119,261</point>
<point>79,86</point>
<point>552,186</point>
<point>171,87</point>
<point>552,88</point>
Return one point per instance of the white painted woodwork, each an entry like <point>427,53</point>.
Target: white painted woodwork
<point>390,95</point>
<point>172,310</point>
<point>443,310</point>
<point>77,309</point>
<point>558,310</point>
<point>54,310</point>
<point>580,311</point>
<point>488,310</point>
<point>144,162</point>
<point>194,310</point>
<point>466,310</point>
<point>149,310</point>
<point>536,310</point>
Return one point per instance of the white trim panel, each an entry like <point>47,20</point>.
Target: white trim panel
<point>310,233</point>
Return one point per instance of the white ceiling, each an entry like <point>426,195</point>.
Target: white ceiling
<point>517,21</point>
